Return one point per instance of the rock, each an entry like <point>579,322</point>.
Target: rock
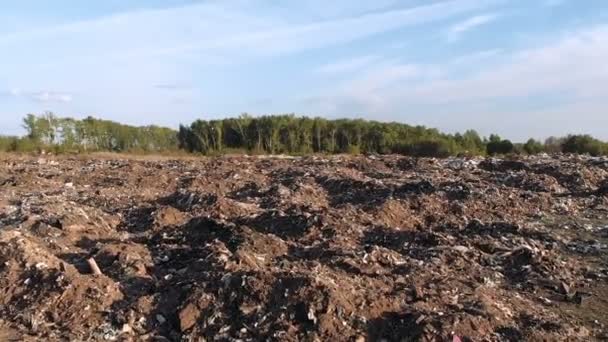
<point>461,249</point>
<point>126,328</point>
<point>564,288</point>
<point>417,292</point>
<point>168,216</point>
<point>581,297</point>
<point>603,188</point>
<point>188,317</point>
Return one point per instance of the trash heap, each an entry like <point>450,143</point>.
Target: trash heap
<point>344,248</point>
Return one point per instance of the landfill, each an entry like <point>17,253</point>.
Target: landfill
<point>315,248</point>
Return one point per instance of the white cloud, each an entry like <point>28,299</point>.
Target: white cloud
<point>50,96</point>
<point>477,57</point>
<point>290,39</point>
<point>576,62</point>
<point>456,30</point>
<point>570,73</point>
<point>348,65</point>
<point>366,91</point>
<point>339,8</point>
<point>385,75</point>
<point>115,61</point>
<point>134,65</point>
<point>219,29</point>
<point>172,86</point>
<point>553,3</point>
<point>41,96</point>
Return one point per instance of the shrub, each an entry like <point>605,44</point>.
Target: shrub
<point>584,144</point>
<point>7,143</point>
<point>533,147</point>
<point>499,147</point>
<point>431,148</point>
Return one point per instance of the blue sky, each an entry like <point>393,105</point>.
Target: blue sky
<point>519,68</point>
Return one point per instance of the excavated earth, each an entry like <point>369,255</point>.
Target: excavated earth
<point>342,248</point>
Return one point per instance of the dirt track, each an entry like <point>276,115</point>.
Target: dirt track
<point>319,248</point>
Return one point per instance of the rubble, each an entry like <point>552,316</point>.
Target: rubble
<point>357,248</point>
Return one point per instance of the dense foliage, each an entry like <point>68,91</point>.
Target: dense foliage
<point>496,145</point>
<point>298,135</point>
<point>584,144</point>
<point>277,134</point>
<point>533,147</point>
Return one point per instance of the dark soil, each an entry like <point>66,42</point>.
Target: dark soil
<point>315,249</point>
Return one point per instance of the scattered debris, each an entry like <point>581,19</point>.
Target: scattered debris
<point>93,266</point>
<point>364,248</point>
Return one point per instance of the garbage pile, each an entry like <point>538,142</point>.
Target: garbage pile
<point>344,248</point>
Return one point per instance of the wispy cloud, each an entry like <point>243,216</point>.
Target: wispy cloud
<point>220,30</point>
<point>347,65</point>
<point>219,56</point>
<point>51,96</point>
<point>575,62</point>
<point>115,72</point>
<point>324,9</point>
<point>172,86</point>
<point>457,30</point>
<point>553,3</point>
<point>41,96</point>
<point>365,91</point>
<point>573,65</point>
<point>477,56</point>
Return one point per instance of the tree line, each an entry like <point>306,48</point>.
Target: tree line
<point>302,135</point>
<point>287,134</point>
<point>58,134</point>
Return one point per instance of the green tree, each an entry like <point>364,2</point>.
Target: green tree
<point>584,144</point>
<point>533,147</point>
<point>496,145</point>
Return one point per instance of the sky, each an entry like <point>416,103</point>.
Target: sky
<point>519,68</point>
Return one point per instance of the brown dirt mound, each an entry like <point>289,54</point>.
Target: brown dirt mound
<point>316,248</point>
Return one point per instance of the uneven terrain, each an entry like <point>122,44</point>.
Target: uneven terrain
<point>340,248</point>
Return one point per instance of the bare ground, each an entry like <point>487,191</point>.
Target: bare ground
<point>316,248</point>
